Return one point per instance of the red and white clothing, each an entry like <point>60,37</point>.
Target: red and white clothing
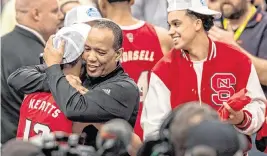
<point>40,114</point>
<point>142,51</point>
<point>176,80</point>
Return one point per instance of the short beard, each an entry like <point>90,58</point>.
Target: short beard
<point>237,13</point>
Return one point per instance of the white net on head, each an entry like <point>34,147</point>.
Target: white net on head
<point>74,37</point>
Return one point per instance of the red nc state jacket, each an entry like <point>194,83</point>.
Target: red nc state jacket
<point>176,80</point>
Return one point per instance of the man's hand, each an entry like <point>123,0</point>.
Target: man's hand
<point>226,36</point>
<point>236,117</point>
<point>76,83</point>
<point>52,55</point>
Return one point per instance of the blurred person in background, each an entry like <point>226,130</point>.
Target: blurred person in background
<point>88,2</point>
<point>144,45</point>
<point>151,11</point>
<point>214,4</point>
<point>245,27</point>
<point>176,125</point>
<point>16,147</point>
<point>195,70</point>
<point>185,116</point>
<point>67,5</point>
<point>210,138</point>
<point>193,129</point>
<point>186,125</point>
<point>37,20</point>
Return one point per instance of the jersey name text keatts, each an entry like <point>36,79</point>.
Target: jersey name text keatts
<point>44,106</point>
<point>39,114</point>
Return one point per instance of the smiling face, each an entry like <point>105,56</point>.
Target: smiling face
<point>100,56</point>
<point>183,28</point>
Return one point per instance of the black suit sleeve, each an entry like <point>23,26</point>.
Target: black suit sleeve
<point>104,102</point>
<point>29,79</point>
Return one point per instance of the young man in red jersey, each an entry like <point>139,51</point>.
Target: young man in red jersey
<point>39,113</point>
<point>144,45</point>
<point>199,69</point>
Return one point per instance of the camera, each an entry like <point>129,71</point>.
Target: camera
<point>114,139</point>
<point>61,144</point>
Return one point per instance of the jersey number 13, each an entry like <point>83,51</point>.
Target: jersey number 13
<point>37,128</point>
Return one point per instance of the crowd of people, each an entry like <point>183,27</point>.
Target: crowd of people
<point>189,76</point>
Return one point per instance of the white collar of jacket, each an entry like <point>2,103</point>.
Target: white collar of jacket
<point>37,34</point>
<point>211,55</point>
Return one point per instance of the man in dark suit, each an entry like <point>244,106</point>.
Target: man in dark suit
<point>37,20</point>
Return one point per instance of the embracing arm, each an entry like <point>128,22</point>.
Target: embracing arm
<point>95,105</point>
<point>29,79</point>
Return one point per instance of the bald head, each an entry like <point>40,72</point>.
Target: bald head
<point>26,5</point>
<point>41,15</point>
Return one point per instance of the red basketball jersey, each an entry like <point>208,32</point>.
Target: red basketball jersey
<point>142,51</point>
<point>40,114</point>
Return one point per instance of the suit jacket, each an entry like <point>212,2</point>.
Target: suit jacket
<point>19,48</point>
